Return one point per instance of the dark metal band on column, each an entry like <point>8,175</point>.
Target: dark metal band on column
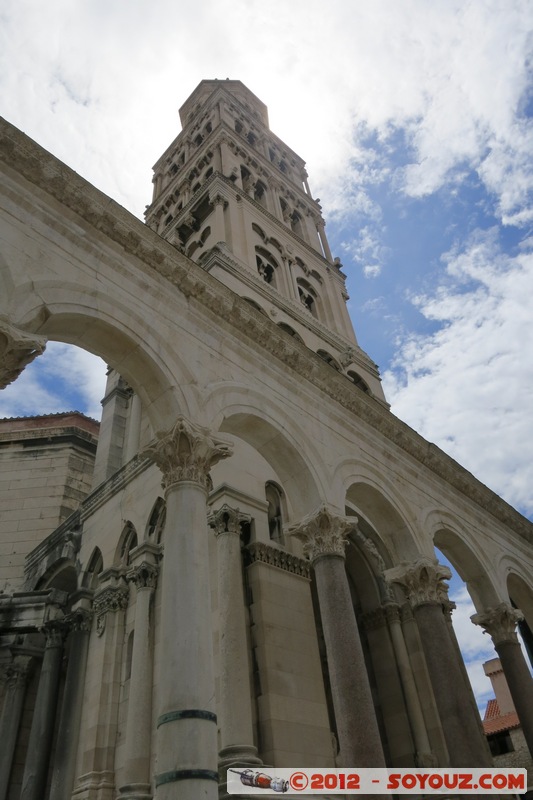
<point>187,713</point>
<point>186,775</point>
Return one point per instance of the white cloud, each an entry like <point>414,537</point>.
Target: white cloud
<point>468,386</point>
<point>64,378</point>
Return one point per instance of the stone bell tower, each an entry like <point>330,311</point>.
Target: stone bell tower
<point>235,199</point>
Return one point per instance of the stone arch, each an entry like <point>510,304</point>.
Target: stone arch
<point>452,541</point>
<point>127,541</point>
<point>121,336</point>
<point>521,594</point>
<point>156,522</point>
<point>61,575</point>
<point>95,566</point>
<point>277,439</point>
<point>371,498</point>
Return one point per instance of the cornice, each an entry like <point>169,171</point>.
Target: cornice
<point>274,557</point>
<point>22,155</point>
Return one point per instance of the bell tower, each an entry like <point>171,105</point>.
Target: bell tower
<point>235,199</point>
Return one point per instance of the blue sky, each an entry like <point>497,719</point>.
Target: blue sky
<point>415,121</point>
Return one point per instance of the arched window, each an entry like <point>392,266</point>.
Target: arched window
<point>255,305</point>
<point>266,265</point>
<point>94,568</point>
<point>290,331</point>
<point>308,296</point>
<point>128,541</point>
<point>274,498</point>
<point>297,225</point>
<point>358,381</point>
<point>238,126</point>
<point>156,521</point>
<point>328,358</point>
<point>246,179</point>
<point>260,193</point>
<point>252,138</point>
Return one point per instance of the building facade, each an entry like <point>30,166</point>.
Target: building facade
<point>251,578</point>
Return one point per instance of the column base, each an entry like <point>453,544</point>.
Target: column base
<point>135,791</point>
<point>238,756</point>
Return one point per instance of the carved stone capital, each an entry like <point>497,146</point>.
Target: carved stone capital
<point>80,620</point>
<point>499,622</point>
<point>144,576</point>
<point>17,350</point>
<point>187,453</point>
<point>423,581</point>
<point>55,631</point>
<point>227,520</point>
<point>323,533</point>
<point>110,598</point>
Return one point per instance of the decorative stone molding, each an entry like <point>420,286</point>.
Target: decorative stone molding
<point>110,598</point>
<point>17,350</point>
<point>392,612</point>
<point>257,551</point>
<point>323,533</point>
<point>144,576</point>
<point>423,581</point>
<point>227,520</point>
<point>499,622</point>
<point>187,453</point>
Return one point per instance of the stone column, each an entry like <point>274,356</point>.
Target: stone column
<point>424,756</point>
<point>323,241</point>
<point>139,722</point>
<point>423,582</point>
<point>42,726</point>
<point>500,623</point>
<point>236,732</point>
<point>187,724</point>
<point>134,427</point>
<point>15,677</point>
<point>219,227</point>
<point>63,772</point>
<point>324,536</point>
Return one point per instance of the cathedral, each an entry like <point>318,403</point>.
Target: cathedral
<point>237,566</point>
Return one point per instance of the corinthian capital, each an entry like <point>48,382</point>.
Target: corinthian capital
<point>323,533</point>
<point>187,453</point>
<point>499,622</point>
<point>144,575</point>
<point>227,520</point>
<point>17,350</point>
<point>423,580</point>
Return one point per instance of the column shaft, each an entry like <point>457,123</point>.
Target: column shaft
<point>235,711</point>
<point>359,739</point>
<point>466,746</point>
<point>64,767</point>
<point>16,678</point>
<point>187,729</point>
<point>139,722</point>
<point>520,685</point>
<point>424,756</point>
<point>42,726</point>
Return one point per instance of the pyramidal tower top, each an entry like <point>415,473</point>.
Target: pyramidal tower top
<point>235,199</point>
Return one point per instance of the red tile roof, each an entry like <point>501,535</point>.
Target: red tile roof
<point>494,722</point>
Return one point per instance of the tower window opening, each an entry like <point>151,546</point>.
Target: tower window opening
<point>208,128</point>
<point>266,265</point>
<point>272,154</point>
<point>328,358</point>
<point>246,178</point>
<point>260,193</point>
<point>174,169</point>
<point>358,381</point>
<point>198,140</point>
<point>209,173</point>
<point>297,224</point>
<point>196,187</point>
<point>290,331</point>
<point>238,126</point>
<point>283,166</point>
<point>307,296</point>
<point>252,138</point>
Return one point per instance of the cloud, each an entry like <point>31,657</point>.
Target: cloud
<point>64,378</point>
<point>467,385</point>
